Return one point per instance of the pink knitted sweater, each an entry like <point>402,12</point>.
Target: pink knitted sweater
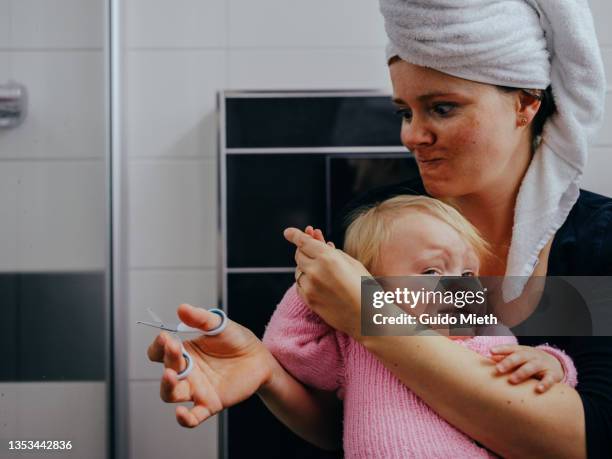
<point>382,417</point>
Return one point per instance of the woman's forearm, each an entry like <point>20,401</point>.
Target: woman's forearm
<point>314,415</point>
<point>464,388</point>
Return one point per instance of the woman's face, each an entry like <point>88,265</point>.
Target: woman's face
<point>463,134</point>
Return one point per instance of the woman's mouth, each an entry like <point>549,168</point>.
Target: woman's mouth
<point>430,161</point>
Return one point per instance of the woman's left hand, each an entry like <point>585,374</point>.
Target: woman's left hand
<point>330,281</point>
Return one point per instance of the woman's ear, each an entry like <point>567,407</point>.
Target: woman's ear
<point>527,107</point>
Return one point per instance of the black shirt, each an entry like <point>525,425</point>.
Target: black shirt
<point>581,247</point>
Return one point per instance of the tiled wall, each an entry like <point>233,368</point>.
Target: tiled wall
<point>52,167</point>
<point>179,54</point>
<point>52,197</point>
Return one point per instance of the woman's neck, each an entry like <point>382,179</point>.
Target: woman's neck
<point>491,211</point>
<point>493,216</point>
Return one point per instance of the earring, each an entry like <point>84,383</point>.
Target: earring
<point>523,121</point>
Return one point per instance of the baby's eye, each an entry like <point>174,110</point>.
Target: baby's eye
<point>443,109</point>
<point>404,113</point>
<point>432,272</point>
<point>468,274</point>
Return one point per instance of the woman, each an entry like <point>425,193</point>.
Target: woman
<point>458,70</point>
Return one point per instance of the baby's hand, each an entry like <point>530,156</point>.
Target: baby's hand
<point>528,362</point>
<point>317,234</point>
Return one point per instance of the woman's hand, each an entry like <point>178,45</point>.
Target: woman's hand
<point>330,282</point>
<point>228,368</point>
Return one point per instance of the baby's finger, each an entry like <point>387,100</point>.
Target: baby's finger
<point>512,361</point>
<point>505,349</point>
<point>309,230</point>
<point>305,243</point>
<point>546,383</point>
<point>172,390</point>
<point>331,244</point>
<point>318,235</point>
<point>525,372</point>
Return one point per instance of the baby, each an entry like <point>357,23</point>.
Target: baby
<point>402,236</point>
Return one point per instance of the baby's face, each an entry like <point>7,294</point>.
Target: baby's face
<point>420,244</point>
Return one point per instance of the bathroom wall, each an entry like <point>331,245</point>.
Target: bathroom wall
<point>178,55</point>
<point>53,229</point>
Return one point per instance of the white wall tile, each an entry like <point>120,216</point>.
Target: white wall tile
<point>175,23</point>
<point>5,23</point>
<point>57,23</point>
<point>162,291</point>
<point>308,69</point>
<point>171,102</point>
<point>295,23</point>
<point>73,411</point>
<point>602,11</point>
<point>6,70</point>
<point>9,428</point>
<point>604,136</point>
<point>60,215</point>
<point>66,108</point>
<point>155,433</point>
<point>606,53</point>
<point>10,177</point>
<point>597,173</point>
<point>172,213</point>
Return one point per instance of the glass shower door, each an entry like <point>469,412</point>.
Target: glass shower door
<point>54,231</point>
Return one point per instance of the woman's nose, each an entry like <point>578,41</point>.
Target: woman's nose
<point>416,133</point>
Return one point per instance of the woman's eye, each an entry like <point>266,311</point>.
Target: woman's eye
<point>432,272</point>
<point>443,109</point>
<point>404,113</point>
<point>467,274</point>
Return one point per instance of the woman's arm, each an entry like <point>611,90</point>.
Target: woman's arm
<point>231,367</point>
<point>464,388</point>
<point>313,414</point>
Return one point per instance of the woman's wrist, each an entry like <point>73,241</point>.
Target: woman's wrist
<point>269,385</point>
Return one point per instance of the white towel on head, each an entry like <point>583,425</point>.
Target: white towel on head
<point>522,44</point>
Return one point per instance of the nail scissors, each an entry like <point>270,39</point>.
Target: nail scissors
<point>182,328</point>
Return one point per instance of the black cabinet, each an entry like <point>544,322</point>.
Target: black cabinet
<point>289,159</point>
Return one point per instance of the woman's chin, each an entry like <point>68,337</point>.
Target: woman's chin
<point>439,188</point>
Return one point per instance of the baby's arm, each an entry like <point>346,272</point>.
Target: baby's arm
<point>304,345</point>
<point>549,364</point>
<point>307,348</point>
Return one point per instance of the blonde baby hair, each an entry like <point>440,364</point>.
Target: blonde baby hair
<point>370,226</point>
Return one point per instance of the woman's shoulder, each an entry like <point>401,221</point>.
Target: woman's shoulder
<point>592,202</point>
<point>583,244</point>
<point>591,218</point>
